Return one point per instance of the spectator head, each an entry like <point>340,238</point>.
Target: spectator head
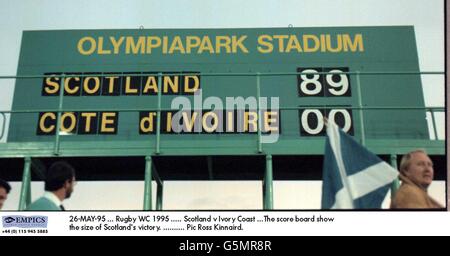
<point>60,175</point>
<point>418,167</point>
<point>4,191</point>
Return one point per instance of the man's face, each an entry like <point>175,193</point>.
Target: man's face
<point>420,169</point>
<point>3,196</point>
<point>69,187</point>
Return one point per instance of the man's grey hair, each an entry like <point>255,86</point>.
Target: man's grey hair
<point>406,159</point>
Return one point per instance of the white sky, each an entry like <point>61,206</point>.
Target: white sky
<point>427,16</point>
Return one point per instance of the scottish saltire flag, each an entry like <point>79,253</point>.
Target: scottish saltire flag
<point>353,177</point>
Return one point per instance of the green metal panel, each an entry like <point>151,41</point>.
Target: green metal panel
<point>381,49</point>
<point>141,148</point>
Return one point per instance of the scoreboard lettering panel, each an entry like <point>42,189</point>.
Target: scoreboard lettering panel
<point>111,84</point>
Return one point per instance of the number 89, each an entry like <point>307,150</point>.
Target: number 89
<point>311,83</point>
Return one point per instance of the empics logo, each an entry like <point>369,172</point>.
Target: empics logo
<point>8,219</point>
<point>20,221</point>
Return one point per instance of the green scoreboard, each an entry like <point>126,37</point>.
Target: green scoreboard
<point>218,91</point>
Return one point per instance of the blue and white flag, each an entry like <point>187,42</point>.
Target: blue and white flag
<point>353,177</point>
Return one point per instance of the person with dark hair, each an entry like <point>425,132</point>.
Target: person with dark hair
<point>59,184</point>
<point>416,174</point>
<point>4,191</point>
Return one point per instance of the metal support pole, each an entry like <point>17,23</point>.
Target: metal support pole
<point>148,184</point>
<point>434,124</point>
<point>3,125</point>
<point>159,188</point>
<point>258,96</point>
<point>25,191</point>
<point>158,115</point>
<point>39,168</point>
<point>396,183</point>
<point>360,105</point>
<point>159,197</point>
<point>268,184</point>
<point>58,118</point>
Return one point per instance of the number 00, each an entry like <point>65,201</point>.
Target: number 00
<point>318,127</point>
